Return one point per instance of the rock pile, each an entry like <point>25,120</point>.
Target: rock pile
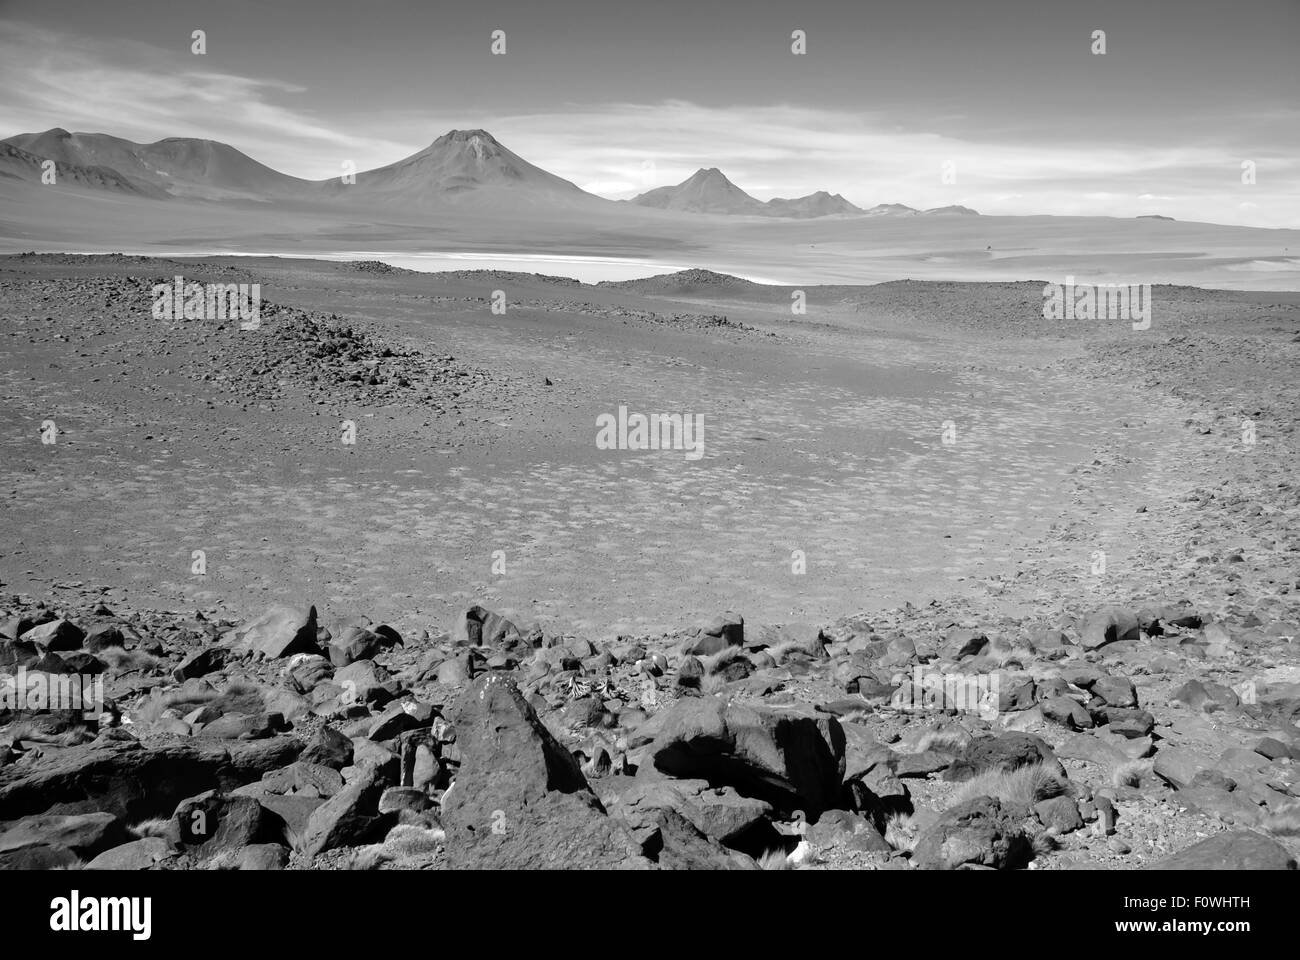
<point>280,741</point>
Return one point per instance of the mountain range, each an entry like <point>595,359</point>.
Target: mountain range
<point>462,166</point>
<point>709,191</point>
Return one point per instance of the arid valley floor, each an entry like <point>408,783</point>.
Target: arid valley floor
<point>622,658</point>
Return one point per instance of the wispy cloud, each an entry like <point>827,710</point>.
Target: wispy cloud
<point>787,150</point>
<point>617,150</point>
<point>137,91</point>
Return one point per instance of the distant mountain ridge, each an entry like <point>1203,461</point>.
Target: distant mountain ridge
<point>902,210</point>
<point>19,164</point>
<point>459,167</point>
<point>708,190</point>
<point>176,166</point>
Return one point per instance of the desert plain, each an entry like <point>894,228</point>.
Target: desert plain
<point>362,586</point>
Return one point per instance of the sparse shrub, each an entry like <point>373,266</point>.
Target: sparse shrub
<point>1026,785</point>
<point>1130,773</point>
<point>156,827</point>
<point>946,740</point>
<point>775,859</point>
<point>901,832</point>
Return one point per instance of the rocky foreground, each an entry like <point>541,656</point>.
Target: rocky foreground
<point>1137,675</point>
<point>280,742</point>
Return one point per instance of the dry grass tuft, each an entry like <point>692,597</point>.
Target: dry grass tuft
<point>406,845</point>
<point>239,696</point>
<point>1026,785</point>
<point>129,661</point>
<point>950,740</point>
<point>775,859</point>
<point>156,827</point>
<point>901,832</point>
<point>1044,843</point>
<point>1130,773</point>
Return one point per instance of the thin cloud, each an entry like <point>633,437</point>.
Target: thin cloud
<point>618,150</point>
<point>137,91</point>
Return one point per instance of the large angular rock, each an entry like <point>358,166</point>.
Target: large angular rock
<point>291,814</point>
<point>1116,691</point>
<point>309,779</point>
<point>107,635</point>
<point>264,856</point>
<point>279,632</point>
<point>329,748</point>
<point>39,858</point>
<point>520,801</point>
<point>1206,696</point>
<point>1089,747</point>
<point>132,781</point>
<point>1230,807</point>
<point>1178,765</point>
<point>727,630</point>
<point>348,818</point>
<point>142,854</point>
<point>212,822</point>
<point>961,642</point>
<point>1059,813</point>
<point>717,812</point>
<point>1126,722</point>
<point>201,663</point>
<point>55,635</point>
<point>1231,850</point>
<point>1109,625</point>
<point>482,627</point>
<point>83,835</point>
<point>1068,712</point>
<point>365,682</point>
<point>977,833</point>
<point>15,654</point>
<point>852,830</point>
<point>793,759</point>
<point>1008,752</point>
<point>682,847</point>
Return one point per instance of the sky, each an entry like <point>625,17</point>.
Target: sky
<point>1000,105</point>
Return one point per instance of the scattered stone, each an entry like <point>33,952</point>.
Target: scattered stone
<point>200,663</point>
<point>54,636</point>
<point>144,854</point>
<point>1108,625</point>
<point>279,632</point>
<point>793,759</point>
<point>977,833</point>
<point>519,800</point>
<point>349,818</point>
<point>1060,814</point>
<point>1008,752</point>
<point>1231,850</point>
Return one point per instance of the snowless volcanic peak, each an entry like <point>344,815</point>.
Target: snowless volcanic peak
<point>704,191</point>
<point>709,191</point>
<point>461,161</point>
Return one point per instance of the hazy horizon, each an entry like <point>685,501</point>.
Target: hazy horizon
<point>624,102</point>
